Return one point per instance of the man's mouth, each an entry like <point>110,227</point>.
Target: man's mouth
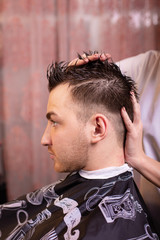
<point>51,154</point>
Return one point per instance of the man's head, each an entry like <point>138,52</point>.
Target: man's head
<point>90,89</point>
<point>96,86</point>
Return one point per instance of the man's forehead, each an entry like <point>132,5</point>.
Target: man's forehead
<point>60,91</point>
<point>60,98</point>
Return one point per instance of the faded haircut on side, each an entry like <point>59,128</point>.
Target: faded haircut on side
<point>99,87</point>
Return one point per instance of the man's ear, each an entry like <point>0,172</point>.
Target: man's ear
<point>99,127</point>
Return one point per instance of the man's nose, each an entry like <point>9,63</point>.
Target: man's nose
<point>46,138</point>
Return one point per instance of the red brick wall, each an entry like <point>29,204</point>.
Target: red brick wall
<point>33,34</point>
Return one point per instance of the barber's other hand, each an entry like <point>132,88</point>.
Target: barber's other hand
<point>133,145</point>
<point>83,59</point>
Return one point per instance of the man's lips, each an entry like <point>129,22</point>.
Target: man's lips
<point>51,154</point>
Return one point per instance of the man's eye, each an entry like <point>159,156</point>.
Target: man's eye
<point>53,123</point>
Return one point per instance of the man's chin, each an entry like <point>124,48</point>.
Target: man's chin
<point>62,169</point>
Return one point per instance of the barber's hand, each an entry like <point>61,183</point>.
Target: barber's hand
<point>133,145</point>
<point>86,58</point>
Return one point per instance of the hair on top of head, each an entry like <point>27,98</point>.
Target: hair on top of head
<point>103,78</point>
<point>98,83</point>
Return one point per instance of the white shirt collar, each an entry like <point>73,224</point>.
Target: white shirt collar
<point>105,172</point>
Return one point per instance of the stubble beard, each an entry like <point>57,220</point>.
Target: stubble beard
<point>75,158</point>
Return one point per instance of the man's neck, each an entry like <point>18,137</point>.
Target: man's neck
<point>102,158</point>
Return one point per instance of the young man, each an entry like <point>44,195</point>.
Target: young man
<point>85,136</point>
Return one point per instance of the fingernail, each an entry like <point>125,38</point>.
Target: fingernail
<point>86,60</point>
<point>102,57</point>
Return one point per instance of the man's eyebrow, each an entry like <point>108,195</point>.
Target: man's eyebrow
<point>49,114</point>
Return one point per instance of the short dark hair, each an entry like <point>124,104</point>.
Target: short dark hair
<point>96,83</point>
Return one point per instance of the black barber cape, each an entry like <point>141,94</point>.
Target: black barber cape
<point>82,206</point>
